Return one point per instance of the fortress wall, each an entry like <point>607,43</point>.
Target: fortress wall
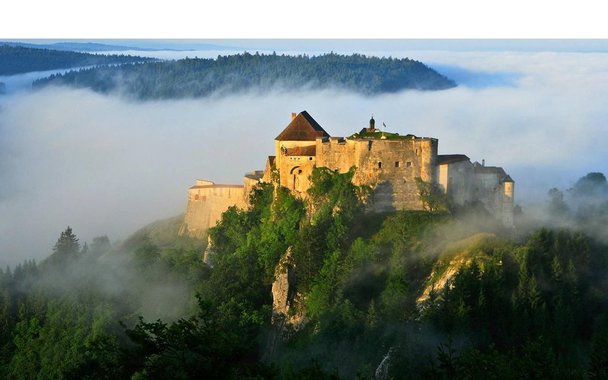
<point>442,177</point>
<point>288,144</point>
<point>295,172</point>
<point>508,203</point>
<point>426,148</point>
<point>393,166</point>
<point>489,191</point>
<point>457,179</point>
<point>206,203</point>
<point>250,181</point>
<point>336,154</point>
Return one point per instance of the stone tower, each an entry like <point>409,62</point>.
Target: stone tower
<point>295,151</point>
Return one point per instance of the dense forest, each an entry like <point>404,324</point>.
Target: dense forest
<point>448,294</point>
<point>258,72</point>
<point>19,59</point>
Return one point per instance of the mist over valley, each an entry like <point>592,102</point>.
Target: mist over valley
<point>314,287</point>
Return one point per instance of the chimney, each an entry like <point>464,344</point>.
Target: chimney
<point>293,115</point>
<point>483,162</point>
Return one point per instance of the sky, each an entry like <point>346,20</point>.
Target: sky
<point>385,19</point>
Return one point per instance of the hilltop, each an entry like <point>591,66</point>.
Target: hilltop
<point>196,77</point>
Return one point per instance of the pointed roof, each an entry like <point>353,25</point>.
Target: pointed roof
<point>302,128</point>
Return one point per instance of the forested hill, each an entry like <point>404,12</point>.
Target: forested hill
<point>317,288</point>
<point>230,74</point>
<point>19,59</point>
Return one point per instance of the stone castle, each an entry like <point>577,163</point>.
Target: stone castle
<point>388,162</point>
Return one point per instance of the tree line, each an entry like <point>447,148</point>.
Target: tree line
<point>196,77</point>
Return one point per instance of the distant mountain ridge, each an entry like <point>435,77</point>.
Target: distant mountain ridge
<point>244,72</point>
<point>73,46</point>
<point>20,59</point>
<point>101,47</point>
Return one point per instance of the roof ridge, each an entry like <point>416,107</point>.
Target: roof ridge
<point>302,128</point>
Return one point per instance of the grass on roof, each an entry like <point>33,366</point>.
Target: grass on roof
<point>379,134</point>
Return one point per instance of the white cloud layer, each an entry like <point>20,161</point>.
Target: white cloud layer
<point>104,165</point>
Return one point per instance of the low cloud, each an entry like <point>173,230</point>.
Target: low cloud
<point>105,165</point>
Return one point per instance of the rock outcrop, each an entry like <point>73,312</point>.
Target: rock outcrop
<point>456,256</point>
<point>208,253</point>
<point>287,313</point>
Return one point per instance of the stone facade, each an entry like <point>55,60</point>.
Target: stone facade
<point>389,163</point>
<point>389,166</point>
<point>206,203</point>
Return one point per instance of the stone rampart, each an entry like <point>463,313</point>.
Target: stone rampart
<point>206,203</point>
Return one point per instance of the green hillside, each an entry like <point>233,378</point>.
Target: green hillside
<point>401,295</point>
<point>255,72</point>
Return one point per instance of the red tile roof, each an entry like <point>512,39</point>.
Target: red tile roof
<point>302,128</point>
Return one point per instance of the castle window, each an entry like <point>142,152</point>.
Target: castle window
<point>196,197</point>
<point>299,171</point>
<point>396,164</point>
<point>310,158</point>
<point>379,165</point>
<point>408,164</point>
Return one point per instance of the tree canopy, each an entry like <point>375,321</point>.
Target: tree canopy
<point>196,77</point>
<point>405,294</point>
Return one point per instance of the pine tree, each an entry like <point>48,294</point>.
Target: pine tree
<point>67,247</point>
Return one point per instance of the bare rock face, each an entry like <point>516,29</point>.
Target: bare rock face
<point>455,256</point>
<point>285,311</point>
<point>280,287</point>
<point>208,253</point>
